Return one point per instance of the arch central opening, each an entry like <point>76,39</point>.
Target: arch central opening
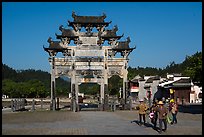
<point>115,84</point>
<point>89,94</point>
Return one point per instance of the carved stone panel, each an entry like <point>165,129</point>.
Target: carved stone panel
<point>87,52</point>
<point>89,40</point>
<point>115,71</point>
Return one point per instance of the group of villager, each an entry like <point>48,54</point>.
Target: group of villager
<point>164,112</point>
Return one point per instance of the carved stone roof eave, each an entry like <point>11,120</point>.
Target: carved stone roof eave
<point>61,36</point>
<point>110,37</point>
<point>55,49</point>
<point>84,24</point>
<point>123,49</point>
<point>88,18</point>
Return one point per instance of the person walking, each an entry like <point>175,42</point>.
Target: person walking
<point>168,106</point>
<point>142,111</point>
<point>162,110</point>
<point>174,111</point>
<point>155,114</point>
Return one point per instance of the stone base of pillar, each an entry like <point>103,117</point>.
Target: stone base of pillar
<point>100,107</point>
<point>122,103</point>
<point>77,108</point>
<point>73,105</point>
<point>106,107</point>
<point>57,104</point>
<point>53,105</point>
<point>106,100</point>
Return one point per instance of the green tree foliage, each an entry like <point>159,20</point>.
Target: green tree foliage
<point>31,88</point>
<point>132,72</point>
<point>8,73</point>
<point>89,88</point>
<point>193,67</point>
<point>8,87</point>
<point>30,83</point>
<point>114,84</point>
<point>62,87</point>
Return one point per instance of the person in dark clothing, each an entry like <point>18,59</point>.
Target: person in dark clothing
<point>162,116</point>
<point>155,116</point>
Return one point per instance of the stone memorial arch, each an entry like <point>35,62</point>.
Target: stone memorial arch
<point>88,61</point>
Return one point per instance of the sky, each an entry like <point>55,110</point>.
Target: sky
<point>162,32</point>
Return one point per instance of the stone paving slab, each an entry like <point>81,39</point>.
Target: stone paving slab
<point>65,122</point>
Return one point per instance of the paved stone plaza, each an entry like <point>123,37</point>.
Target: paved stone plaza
<point>66,122</point>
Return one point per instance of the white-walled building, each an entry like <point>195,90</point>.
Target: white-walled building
<point>139,87</point>
<point>183,87</point>
<point>196,94</point>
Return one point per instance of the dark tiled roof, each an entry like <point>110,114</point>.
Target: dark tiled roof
<point>88,19</point>
<point>182,83</point>
<point>142,79</point>
<point>67,33</point>
<point>54,44</point>
<point>183,80</point>
<point>134,80</point>
<point>123,45</point>
<point>156,78</point>
<point>151,79</point>
<point>110,33</point>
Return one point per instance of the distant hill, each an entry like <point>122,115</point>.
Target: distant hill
<point>19,76</point>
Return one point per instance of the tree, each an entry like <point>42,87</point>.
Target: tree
<point>30,83</point>
<point>114,84</point>
<point>9,87</point>
<point>36,89</point>
<point>194,67</point>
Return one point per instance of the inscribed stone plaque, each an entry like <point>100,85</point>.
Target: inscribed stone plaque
<point>88,40</point>
<point>89,53</point>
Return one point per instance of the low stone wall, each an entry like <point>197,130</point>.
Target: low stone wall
<point>191,108</point>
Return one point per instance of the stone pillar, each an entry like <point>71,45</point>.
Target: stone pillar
<point>125,85</point>
<point>105,74</point>
<point>77,97</point>
<point>15,105</point>
<point>41,102</point>
<point>106,100</point>
<point>53,101</point>
<point>23,103</point>
<point>101,103</point>
<point>73,98</point>
<point>123,95</point>
<point>33,105</point>
<point>73,91</point>
<point>124,88</point>
<point>57,103</point>
<point>104,85</point>
<point>12,105</point>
